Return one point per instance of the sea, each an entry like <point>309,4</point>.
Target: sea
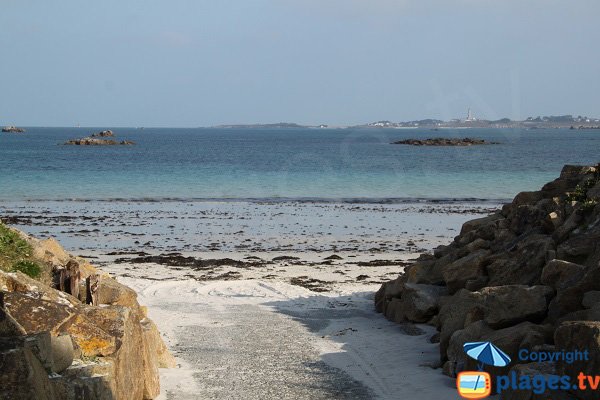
<point>299,164</point>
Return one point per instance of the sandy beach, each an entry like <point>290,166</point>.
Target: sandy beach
<point>268,300</point>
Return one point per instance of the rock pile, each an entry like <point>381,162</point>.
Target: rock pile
<point>526,277</point>
<point>107,133</point>
<point>83,337</point>
<point>96,140</point>
<point>13,129</point>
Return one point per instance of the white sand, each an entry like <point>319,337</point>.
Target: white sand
<point>268,339</point>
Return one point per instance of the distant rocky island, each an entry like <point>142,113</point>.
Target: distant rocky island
<point>13,129</point>
<point>444,142</point>
<point>95,140</point>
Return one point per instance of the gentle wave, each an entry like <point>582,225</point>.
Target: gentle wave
<point>316,200</point>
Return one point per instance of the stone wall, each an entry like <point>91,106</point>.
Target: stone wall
<point>527,276</point>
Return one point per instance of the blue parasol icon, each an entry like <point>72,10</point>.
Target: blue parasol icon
<point>486,353</point>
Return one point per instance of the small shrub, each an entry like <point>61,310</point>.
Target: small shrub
<point>589,205</point>
<point>580,192</point>
<point>29,268</point>
<point>13,248</point>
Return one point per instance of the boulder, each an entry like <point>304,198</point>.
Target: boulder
<point>120,323</point>
<point>421,302</point>
<point>582,247</point>
<point>525,335</point>
<point>591,299</point>
<point>25,367</point>
<point>457,274</point>
<point>395,311</point>
<point>154,342</point>
<point>91,340</point>
<point>387,291</point>
<point>508,305</point>
<point>36,315</point>
<point>560,274</point>
<point>569,225</point>
<point>62,352</point>
<point>533,370</point>
<point>113,293</point>
<point>89,380</point>
<point>576,171</point>
<point>521,264</point>
<point>21,283</point>
<point>594,192</point>
<point>472,333</point>
<point>44,329</point>
<point>570,299</point>
<point>478,223</point>
<point>527,198</point>
<point>580,336</point>
<point>453,314</point>
<point>428,272</point>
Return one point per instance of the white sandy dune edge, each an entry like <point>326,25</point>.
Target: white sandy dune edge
<point>265,339</point>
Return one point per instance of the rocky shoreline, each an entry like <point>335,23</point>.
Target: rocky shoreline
<point>74,332</point>
<point>526,277</point>
<point>444,142</point>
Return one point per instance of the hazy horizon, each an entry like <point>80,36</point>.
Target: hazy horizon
<point>335,62</point>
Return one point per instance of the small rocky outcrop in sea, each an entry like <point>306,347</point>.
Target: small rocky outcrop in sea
<point>107,133</point>
<point>13,129</point>
<point>444,142</point>
<point>73,332</point>
<point>526,277</point>
<point>96,140</point>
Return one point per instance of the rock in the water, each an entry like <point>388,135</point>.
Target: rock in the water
<point>107,133</point>
<point>90,141</point>
<point>444,142</point>
<point>13,129</point>
<point>98,139</point>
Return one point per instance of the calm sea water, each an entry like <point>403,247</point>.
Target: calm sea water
<point>284,163</point>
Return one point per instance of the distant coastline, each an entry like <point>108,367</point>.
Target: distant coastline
<point>539,122</point>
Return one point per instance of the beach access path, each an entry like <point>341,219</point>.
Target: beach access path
<point>257,338</point>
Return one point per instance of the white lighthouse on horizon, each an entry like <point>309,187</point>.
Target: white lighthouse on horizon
<point>470,116</point>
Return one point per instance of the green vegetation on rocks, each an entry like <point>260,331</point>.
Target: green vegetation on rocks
<point>16,254</point>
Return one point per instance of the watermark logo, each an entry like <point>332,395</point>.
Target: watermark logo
<point>478,384</point>
<point>474,384</point>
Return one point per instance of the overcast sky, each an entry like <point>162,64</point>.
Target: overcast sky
<point>202,63</point>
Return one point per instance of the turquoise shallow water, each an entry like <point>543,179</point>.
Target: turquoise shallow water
<point>285,163</point>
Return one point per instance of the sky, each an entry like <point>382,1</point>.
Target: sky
<point>202,63</point>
